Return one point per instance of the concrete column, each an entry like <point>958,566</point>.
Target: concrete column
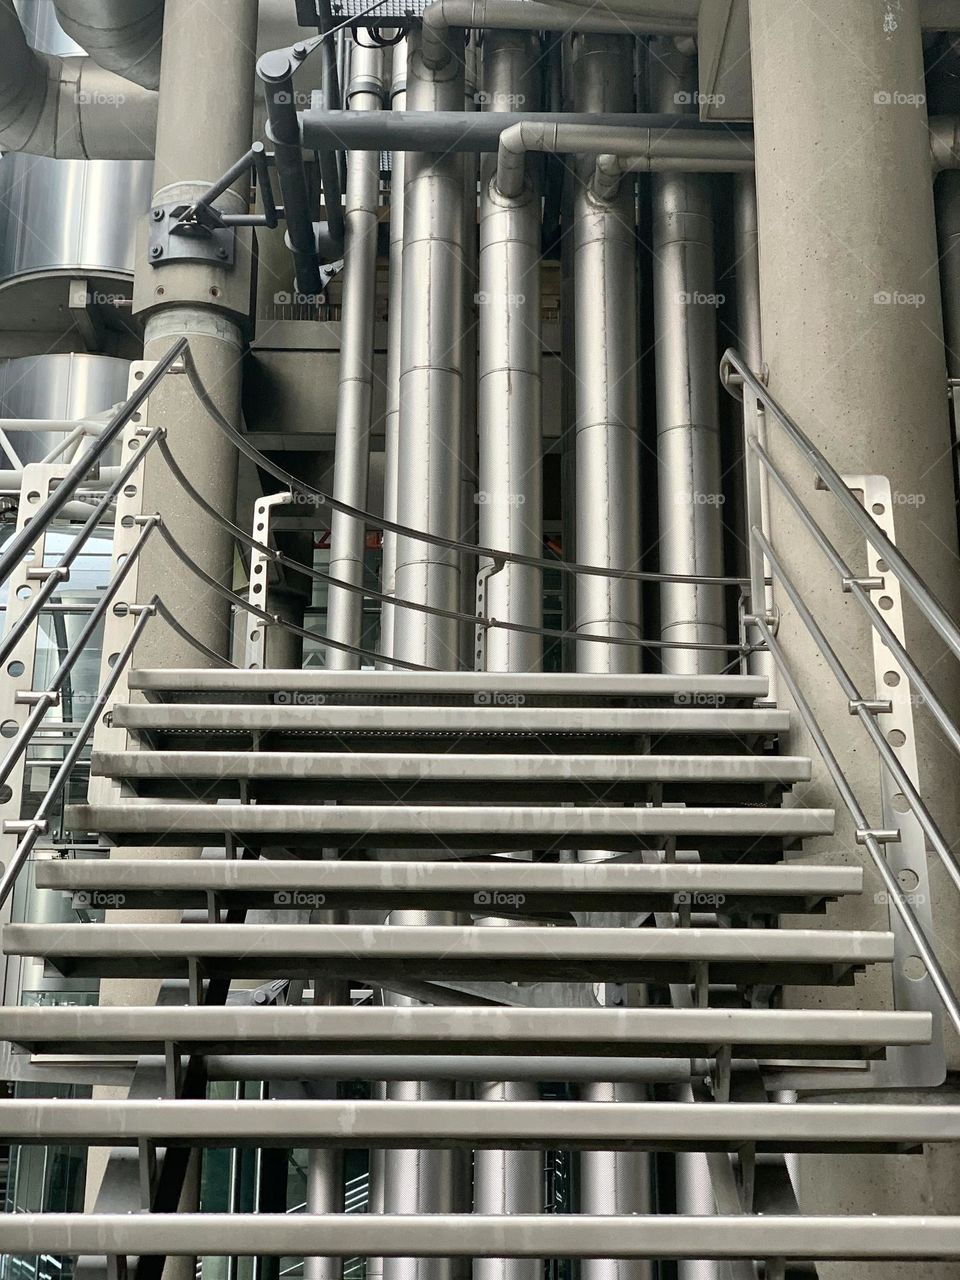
<point>850,311</point>
<point>207,75</point>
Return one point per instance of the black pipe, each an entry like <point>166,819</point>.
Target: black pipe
<point>459,130</point>
<point>283,129</point>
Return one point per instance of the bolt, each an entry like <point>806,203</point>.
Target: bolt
<point>158,215</point>
<point>222,252</point>
<point>156,251</point>
<point>299,51</point>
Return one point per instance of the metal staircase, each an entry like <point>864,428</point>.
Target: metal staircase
<point>334,793</point>
<point>593,889</point>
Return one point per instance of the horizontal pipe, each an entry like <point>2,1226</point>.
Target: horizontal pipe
<point>656,18</point>
<point>467,131</point>
<point>621,149</point>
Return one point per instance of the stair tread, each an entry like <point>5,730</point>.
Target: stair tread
<point>438,820</point>
<point>324,718</point>
<point>442,945</point>
<point>793,1236</point>
<point>754,1033</point>
<point>380,683</point>
<point>579,1125</point>
<point>448,766</point>
<point>583,878</point>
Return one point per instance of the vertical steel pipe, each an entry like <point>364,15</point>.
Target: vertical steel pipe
<point>469,463</point>
<point>431,377</point>
<point>510,496</point>
<point>510,501</point>
<point>688,414</point>
<point>607,509</point>
<point>391,422</point>
<point>607,427</point>
<point>429,473</point>
<point>355,390</point>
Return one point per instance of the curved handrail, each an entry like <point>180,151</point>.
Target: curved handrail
<point>734,372</point>
<point>900,566</point>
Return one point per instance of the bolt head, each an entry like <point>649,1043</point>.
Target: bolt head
<point>222,253</point>
<point>158,215</point>
<point>156,251</point>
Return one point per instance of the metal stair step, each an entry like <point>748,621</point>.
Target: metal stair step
<point>741,956</point>
<point>448,826</point>
<point>582,1126</point>
<point>322,719</point>
<point>200,684</point>
<point>451,775</point>
<point>500,884</point>
<point>754,1033</point>
<point>551,1235</point>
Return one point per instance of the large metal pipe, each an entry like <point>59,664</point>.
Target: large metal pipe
<point>510,496</point>
<point>431,377</point>
<point>688,413</point>
<point>391,425</point>
<point>607,509</point>
<point>429,469</point>
<point>68,108</point>
<point>355,390</point>
<point>607,426</point>
<point>510,517</point>
<point>533,15</point>
<point>124,36</point>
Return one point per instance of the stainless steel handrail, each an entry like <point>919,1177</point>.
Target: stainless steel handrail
<point>58,574</point>
<point>899,565</point>
<point>735,373</point>
<point>15,549</point>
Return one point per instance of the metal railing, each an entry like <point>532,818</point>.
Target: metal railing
<point>761,413</point>
<point>60,504</point>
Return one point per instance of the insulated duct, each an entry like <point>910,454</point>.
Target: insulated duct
<point>68,108</point>
<point>123,36</point>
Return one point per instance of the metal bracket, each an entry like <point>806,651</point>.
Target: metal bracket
<point>175,239</point>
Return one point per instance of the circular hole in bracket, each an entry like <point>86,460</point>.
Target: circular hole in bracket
<point>901,803</point>
<point>891,679</point>
<point>15,668</point>
<point>914,969</point>
<point>885,602</point>
<point>909,880</point>
<point>896,737</point>
<point>8,729</point>
<point>878,508</point>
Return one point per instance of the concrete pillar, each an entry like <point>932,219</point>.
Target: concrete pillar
<point>207,75</point>
<point>852,334</point>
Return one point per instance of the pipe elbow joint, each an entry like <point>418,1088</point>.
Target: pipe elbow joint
<point>435,35</point>
<point>607,176</point>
